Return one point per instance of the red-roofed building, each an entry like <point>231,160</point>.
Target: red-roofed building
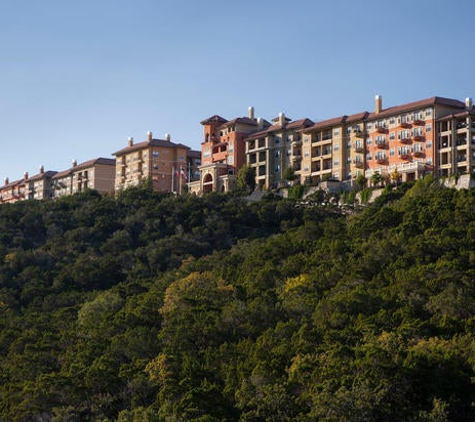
<point>223,151</point>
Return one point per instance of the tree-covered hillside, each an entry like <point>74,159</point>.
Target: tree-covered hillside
<point>149,307</point>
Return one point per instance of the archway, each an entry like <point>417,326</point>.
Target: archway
<point>207,183</point>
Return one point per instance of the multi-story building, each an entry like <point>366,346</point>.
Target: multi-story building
<point>272,150</point>
<point>97,174</point>
<point>399,140</point>
<point>13,191</point>
<point>223,151</point>
<point>162,161</point>
<point>39,186</point>
<point>456,142</point>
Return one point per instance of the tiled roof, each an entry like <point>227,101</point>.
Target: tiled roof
<point>326,123</point>
<point>464,113</point>
<point>428,102</point>
<point>357,117</point>
<point>44,175</point>
<point>97,161</point>
<point>13,184</point>
<point>297,124</point>
<point>243,120</point>
<point>214,119</point>
<point>146,144</point>
<point>61,174</point>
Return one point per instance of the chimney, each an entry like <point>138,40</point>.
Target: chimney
<point>260,123</point>
<point>7,181</point>
<point>149,136</point>
<point>250,113</point>
<point>75,163</point>
<point>25,176</point>
<point>468,103</point>
<point>167,137</point>
<point>281,119</point>
<point>378,104</point>
<point>130,141</point>
<point>42,169</point>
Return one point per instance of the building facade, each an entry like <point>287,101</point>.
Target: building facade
<point>223,151</point>
<point>39,186</point>
<point>456,142</point>
<point>400,141</point>
<point>162,161</point>
<point>270,151</point>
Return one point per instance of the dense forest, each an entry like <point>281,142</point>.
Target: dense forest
<point>151,307</point>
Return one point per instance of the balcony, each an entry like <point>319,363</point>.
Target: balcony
<point>296,158</point>
<point>419,153</point>
<point>405,155</point>
<point>296,142</point>
<point>406,125</point>
<point>405,139</point>
<point>359,148</point>
<point>419,122</point>
<point>359,133</point>
<point>420,138</point>
<point>381,144</point>
<point>381,129</point>
<point>358,164</point>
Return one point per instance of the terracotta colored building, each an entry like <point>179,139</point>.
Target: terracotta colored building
<point>13,191</point>
<point>223,151</point>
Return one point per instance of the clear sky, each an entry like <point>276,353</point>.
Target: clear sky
<point>78,77</point>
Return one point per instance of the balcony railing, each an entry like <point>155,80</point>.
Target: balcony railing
<point>406,125</point>
<point>405,139</point>
<point>419,138</point>
<point>381,144</point>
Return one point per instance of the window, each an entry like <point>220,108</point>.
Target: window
<point>277,139</point>
<point>155,154</point>
<point>392,135</point>
<point>277,154</point>
<point>369,141</point>
<point>428,128</point>
<point>429,161</point>
<point>336,162</point>
<point>276,168</point>
<point>428,112</point>
<point>429,144</point>
<point>336,147</point>
<point>392,151</point>
<point>336,131</point>
<point>369,156</point>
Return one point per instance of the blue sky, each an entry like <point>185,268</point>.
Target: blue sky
<point>77,78</point>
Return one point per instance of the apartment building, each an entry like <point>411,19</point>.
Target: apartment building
<point>162,161</point>
<point>399,141</point>
<point>13,191</point>
<point>272,150</point>
<point>456,142</point>
<point>97,174</point>
<point>39,186</point>
<point>223,151</point>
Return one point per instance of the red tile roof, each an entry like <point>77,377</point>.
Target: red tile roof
<point>146,144</point>
<point>214,119</point>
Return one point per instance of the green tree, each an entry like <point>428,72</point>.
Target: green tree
<point>246,178</point>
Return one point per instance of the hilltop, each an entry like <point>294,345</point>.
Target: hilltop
<point>150,306</point>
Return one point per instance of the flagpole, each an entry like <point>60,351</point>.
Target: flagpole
<point>173,179</point>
